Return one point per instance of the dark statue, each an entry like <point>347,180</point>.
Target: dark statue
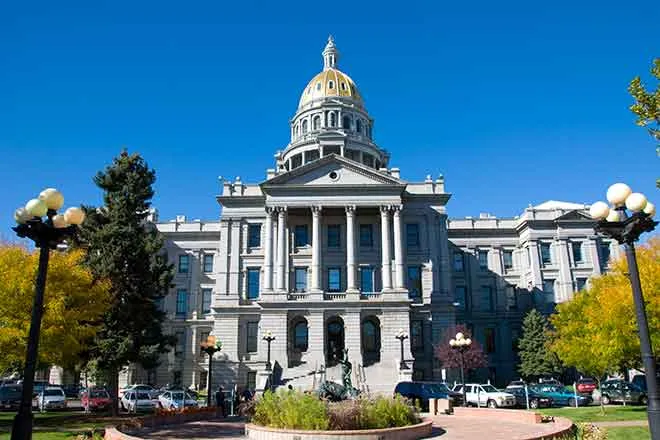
<point>336,392</point>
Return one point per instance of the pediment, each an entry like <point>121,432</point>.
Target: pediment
<point>333,170</point>
<point>574,215</point>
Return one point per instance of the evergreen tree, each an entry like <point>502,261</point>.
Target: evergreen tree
<point>535,357</point>
<point>125,249</point>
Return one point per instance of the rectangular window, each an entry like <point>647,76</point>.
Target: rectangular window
<point>366,235</point>
<point>416,335</point>
<point>301,279</point>
<point>508,259</point>
<point>252,337</point>
<point>458,262</point>
<point>253,283</point>
<point>482,255</point>
<point>301,238</point>
<point>604,254</point>
<point>181,302</point>
<point>180,343</point>
<point>334,279</point>
<point>254,235</point>
<point>333,236</point>
<point>414,282</point>
<point>511,298</point>
<point>366,279</point>
<point>487,300</point>
<point>490,340</point>
<point>206,300</point>
<point>459,297</point>
<point>412,234</point>
<point>546,258</point>
<point>208,263</point>
<point>203,337</point>
<point>251,380</point>
<point>580,284</point>
<point>548,291</point>
<point>184,263</point>
<point>577,252</point>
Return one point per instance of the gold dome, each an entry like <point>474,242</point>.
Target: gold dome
<point>331,82</point>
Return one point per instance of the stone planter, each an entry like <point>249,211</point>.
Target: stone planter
<point>412,432</point>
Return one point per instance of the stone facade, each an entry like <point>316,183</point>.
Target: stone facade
<point>334,250</point>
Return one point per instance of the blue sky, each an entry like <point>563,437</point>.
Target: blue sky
<point>515,103</point>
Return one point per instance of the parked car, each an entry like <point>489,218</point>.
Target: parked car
<point>174,399</point>
<point>96,399</point>
<point>153,392</point>
<point>550,381</point>
<point>137,401</point>
<point>10,396</point>
<point>51,398</point>
<point>71,391</point>
<point>516,384</point>
<point>536,400</point>
<point>560,396</point>
<point>586,385</point>
<point>486,395</point>
<point>423,391</point>
<point>622,391</point>
<point>640,381</point>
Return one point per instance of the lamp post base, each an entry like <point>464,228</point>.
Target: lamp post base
<point>22,427</point>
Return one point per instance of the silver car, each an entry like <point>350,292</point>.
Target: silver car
<point>51,398</point>
<point>137,401</point>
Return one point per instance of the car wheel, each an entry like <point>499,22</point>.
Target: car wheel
<point>534,404</point>
<point>605,399</point>
<point>571,402</point>
<point>491,404</point>
<point>644,400</point>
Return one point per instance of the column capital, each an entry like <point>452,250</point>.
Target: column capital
<point>385,209</point>
<point>350,209</point>
<point>270,210</point>
<point>281,210</point>
<point>397,209</point>
<point>316,210</point>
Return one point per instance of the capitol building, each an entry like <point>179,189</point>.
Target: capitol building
<point>335,250</point>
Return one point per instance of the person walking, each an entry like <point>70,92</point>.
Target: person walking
<point>220,400</point>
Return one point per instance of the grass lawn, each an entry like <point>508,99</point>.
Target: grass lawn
<point>592,413</point>
<point>56,425</point>
<point>46,436</point>
<point>629,433</point>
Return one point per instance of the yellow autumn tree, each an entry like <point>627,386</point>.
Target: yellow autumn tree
<point>596,331</point>
<point>74,304</point>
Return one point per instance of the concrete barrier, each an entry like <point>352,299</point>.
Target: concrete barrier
<point>512,415</point>
<point>412,432</point>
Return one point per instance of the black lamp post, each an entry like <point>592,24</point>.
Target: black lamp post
<point>402,336</point>
<point>211,346</point>
<point>461,345</point>
<point>268,337</point>
<point>47,234</point>
<point>626,229</point>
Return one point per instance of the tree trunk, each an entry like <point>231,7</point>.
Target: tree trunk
<point>600,390</point>
<point>113,382</point>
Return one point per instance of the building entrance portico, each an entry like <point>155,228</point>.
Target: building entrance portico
<point>334,340</point>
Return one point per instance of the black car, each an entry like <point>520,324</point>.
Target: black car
<point>421,392</point>
<point>10,396</point>
<point>640,381</point>
<point>536,400</point>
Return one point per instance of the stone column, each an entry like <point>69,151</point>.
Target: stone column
<point>535,264</point>
<point>281,248</point>
<point>385,247</point>
<point>593,255</point>
<point>398,249</point>
<point>351,285</point>
<point>316,249</point>
<point>565,276</point>
<point>268,251</point>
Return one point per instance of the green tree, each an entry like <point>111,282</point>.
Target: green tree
<point>73,306</point>
<point>647,105</point>
<point>124,248</point>
<point>536,359</point>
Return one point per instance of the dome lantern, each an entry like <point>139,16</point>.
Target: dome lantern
<point>330,55</point>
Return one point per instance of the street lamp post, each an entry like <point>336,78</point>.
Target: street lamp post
<point>402,336</point>
<point>614,222</point>
<point>211,346</point>
<point>268,337</point>
<point>461,344</point>
<point>47,234</point>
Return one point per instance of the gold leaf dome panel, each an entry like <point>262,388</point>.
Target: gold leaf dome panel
<point>330,83</point>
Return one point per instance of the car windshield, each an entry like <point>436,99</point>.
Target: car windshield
<point>436,387</point>
<point>53,393</point>
<point>10,391</point>
<point>143,396</point>
<point>489,389</point>
<point>589,381</point>
<point>99,393</point>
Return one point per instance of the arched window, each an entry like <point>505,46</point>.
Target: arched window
<point>343,86</point>
<point>333,120</point>
<point>331,85</point>
<point>304,126</point>
<point>300,335</point>
<point>318,86</point>
<point>346,122</point>
<point>371,340</point>
<point>316,122</point>
<point>358,126</point>
<point>295,130</point>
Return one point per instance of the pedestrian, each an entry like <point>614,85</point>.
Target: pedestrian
<point>220,400</point>
<point>290,387</point>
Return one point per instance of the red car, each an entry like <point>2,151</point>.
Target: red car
<point>586,385</point>
<point>96,400</point>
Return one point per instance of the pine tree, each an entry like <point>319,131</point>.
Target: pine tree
<point>535,357</point>
<point>125,249</point>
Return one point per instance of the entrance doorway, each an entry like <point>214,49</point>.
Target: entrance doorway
<point>334,340</point>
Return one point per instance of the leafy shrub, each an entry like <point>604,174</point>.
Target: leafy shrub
<point>291,410</point>
<point>387,412</point>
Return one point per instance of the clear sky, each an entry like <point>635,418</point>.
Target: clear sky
<point>515,103</point>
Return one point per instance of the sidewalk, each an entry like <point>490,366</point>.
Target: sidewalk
<point>621,423</point>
